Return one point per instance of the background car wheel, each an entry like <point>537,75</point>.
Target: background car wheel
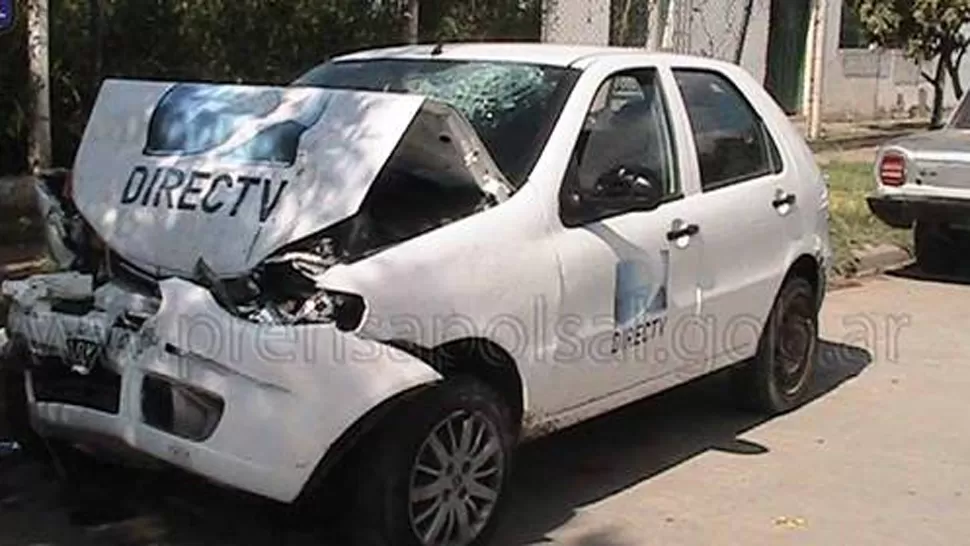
<point>777,379</point>
<point>439,469</point>
<point>934,251</point>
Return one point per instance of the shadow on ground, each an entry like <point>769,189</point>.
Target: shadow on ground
<point>561,474</point>
<point>555,477</point>
<point>913,272</point>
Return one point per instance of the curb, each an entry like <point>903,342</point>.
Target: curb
<point>855,142</point>
<point>872,261</point>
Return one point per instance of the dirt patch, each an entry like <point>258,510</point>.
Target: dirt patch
<point>856,155</point>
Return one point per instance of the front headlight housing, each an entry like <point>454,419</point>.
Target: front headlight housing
<point>285,290</point>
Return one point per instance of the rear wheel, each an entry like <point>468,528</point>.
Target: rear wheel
<point>777,379</point>
<point>934,248</point>
<point>439,469</point>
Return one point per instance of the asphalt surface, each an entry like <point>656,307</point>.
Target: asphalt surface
<point>880,455</point>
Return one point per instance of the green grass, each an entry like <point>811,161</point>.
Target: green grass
<point>852,225</point>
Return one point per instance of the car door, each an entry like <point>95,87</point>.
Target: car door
<point>627,278</point>
<point>746,211</point>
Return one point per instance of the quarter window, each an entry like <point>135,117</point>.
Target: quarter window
<point>733,144</point>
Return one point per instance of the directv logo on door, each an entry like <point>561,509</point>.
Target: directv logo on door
<point>6,14</point>
<point>640,301</point>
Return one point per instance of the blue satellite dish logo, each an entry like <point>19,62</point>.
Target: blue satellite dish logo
<point>6,14</point>
<point>197,119</point>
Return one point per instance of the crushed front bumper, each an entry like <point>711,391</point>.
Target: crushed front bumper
<point>900,211</point>
<point>180,380</point>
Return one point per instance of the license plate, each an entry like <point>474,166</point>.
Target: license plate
<point>82,354</point>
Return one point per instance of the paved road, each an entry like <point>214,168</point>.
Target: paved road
<point>880,456</point>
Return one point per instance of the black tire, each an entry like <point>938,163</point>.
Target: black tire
<point>778,378</point>
<point>14,417</point>
<point>385,514</point>
<point>933,247</point>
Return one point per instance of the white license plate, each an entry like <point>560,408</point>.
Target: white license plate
<point>82,354</point>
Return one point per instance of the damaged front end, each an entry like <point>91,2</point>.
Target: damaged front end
<point>423,170</point>
<point>101,347</point>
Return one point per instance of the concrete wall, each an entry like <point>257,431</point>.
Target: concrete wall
<point>576,22</point>
<point>712,28</point>
<point>864,84</point>
<point>859,83</point>
<point>754,57</point>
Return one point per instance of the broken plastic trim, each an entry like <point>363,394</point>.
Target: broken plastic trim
<point>70,239</point>
<point>179,409</point>
<point>216,287</point>
<point>283,291</point>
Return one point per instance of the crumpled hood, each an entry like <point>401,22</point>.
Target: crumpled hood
<point>168,173</point>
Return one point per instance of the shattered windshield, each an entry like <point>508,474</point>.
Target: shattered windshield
<point>512,106</point>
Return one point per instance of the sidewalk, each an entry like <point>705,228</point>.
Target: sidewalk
<point>860,134</point>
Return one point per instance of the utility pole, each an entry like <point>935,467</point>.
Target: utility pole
<point>655,26</point>
<point>96,24</point>
<point>668,41</point>
<point>413,15</point>
<point>39,148</point>
<point>817,87</point>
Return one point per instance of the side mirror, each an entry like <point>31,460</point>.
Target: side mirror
<point>618,191</point>
<point>625,189</point>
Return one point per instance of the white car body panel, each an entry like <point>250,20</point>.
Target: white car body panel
<point>510,274</point>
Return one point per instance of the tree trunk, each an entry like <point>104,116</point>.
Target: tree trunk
<point>953,68</point>
<point>39,149</point>
<point>655,27</point>
<point>745,23</point>
<point>413,15</point>
<point>625,23</point>
<point>96,22</point>
<point>939,88</point>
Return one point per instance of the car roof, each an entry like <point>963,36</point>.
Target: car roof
<point>564,55</point>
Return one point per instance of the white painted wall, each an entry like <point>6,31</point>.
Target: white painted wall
<point>754,57</point>
<point>712,27</point>
<point>858,84</point>
<point>576,22</point>
<point>862,84</point>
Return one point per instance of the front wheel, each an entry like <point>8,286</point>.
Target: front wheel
<point>777,379</point>
<point>440,469</point>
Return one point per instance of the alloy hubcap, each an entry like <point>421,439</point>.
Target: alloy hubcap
<point>456,480</point>
<point>793,350</point>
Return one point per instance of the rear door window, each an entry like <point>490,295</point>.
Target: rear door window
<point>733,144</point>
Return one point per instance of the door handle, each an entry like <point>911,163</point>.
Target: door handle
<point>686,231</point>
<point>783,199</point>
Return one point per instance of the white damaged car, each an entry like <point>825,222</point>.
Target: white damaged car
<point>411,260</point>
